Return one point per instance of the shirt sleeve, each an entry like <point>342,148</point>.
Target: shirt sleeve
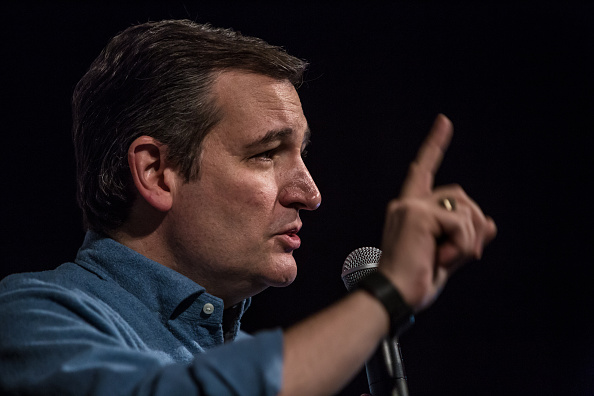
<point>47,347</point>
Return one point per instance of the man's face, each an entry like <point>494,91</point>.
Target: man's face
<point>235,227</point>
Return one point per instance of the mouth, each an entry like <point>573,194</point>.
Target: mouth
<point>289,239</point>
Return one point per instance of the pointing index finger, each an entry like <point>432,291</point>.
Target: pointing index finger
<point>419,181</point>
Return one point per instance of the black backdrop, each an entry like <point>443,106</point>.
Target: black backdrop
<point>517,83</point>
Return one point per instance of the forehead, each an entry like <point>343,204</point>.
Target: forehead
<point>255,104</point>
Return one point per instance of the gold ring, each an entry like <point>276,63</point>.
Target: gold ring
<point>448,204</point>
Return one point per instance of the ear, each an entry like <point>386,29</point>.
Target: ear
<point>152,175</point>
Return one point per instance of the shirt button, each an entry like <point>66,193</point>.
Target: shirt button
<point>208,308</point>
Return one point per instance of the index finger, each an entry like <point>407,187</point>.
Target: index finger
<point>421,174</point>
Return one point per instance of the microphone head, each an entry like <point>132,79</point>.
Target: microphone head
<point>359,264</point>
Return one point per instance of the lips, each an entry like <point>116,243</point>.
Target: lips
<point>289,239</point>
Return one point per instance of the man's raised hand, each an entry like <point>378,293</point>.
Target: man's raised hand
<point>423,241</point>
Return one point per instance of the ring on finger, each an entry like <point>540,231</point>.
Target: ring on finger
<point>448,204</point>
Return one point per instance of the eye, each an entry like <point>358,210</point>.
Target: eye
<point>264,156</point>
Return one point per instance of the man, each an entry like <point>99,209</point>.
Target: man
<point>189,144</point>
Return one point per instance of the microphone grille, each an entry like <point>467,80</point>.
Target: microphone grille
<point>360,263</point>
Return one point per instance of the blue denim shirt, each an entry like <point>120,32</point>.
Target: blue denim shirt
<point>116,323</point>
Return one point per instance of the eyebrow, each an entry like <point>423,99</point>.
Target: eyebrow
<point>279,134</point>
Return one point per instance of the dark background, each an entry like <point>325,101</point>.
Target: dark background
<point>517,82</point>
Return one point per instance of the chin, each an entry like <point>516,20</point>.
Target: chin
<point>283,274</point>
<point>284,283</point>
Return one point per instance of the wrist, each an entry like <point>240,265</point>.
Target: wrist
<point>399,312</point>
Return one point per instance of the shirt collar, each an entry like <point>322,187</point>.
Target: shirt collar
<point>160,288</point>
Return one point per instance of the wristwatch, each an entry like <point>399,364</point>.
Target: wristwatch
<point>380,287</point>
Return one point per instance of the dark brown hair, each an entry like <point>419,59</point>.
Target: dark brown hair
<point>155,79</point>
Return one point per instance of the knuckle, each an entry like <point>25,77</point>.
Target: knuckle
<point>393,206</point>
<point>413,208</point>
<point>457,187</point>
<point>465,211</point>
<point>458,191</point>
<point>453,189</point>
<point>410,213</point>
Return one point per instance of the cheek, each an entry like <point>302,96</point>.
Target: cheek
<point>254,198</point>
<point>260,196</point>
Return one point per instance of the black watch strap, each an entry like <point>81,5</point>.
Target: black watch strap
<point>401,314</point>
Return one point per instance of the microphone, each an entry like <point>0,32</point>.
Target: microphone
<point>385,370</point>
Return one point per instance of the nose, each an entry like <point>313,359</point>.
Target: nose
<point>300,190</point>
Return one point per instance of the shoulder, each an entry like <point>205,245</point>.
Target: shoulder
<point>69,279</point>
<point>61,296</point>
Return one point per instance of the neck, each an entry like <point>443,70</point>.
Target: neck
<point>153,246</point>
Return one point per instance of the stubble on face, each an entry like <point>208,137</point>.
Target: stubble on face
<point>234,228</point>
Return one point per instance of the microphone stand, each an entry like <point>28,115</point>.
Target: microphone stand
<point>385,370</point>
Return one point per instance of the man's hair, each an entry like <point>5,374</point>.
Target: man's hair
<point>156,79</point>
